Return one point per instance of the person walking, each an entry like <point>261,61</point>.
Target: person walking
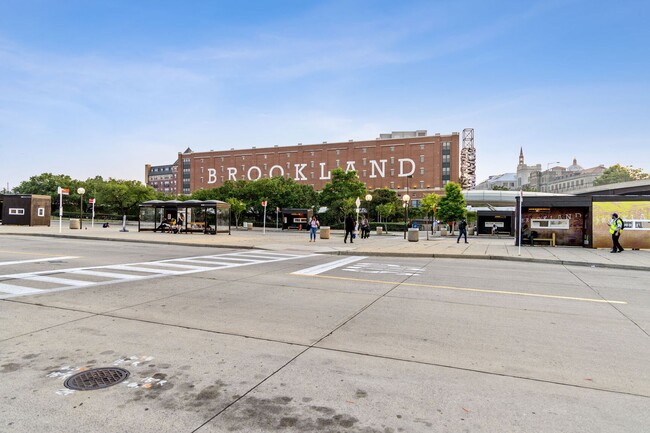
<point>313,226</point>
<point>365,228</point>
<point>349,228</point>
<point>615,227</point>
<point>462,231</point>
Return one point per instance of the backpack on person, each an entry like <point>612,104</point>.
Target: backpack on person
<point>622,222</point>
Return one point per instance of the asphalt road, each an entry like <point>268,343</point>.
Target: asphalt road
<point>222,340</point>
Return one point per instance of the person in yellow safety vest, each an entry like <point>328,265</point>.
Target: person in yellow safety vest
<point>615,227</point>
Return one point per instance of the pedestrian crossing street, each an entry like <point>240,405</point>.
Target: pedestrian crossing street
<point>31,283</point>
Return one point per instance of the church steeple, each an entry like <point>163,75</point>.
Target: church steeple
<point>521,156</point>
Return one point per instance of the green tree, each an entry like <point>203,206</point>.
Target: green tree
<point>452,206</point>
<point>386,211</point>
<point>336,194</point>
<point>124,196</point>
<point>529,187</point>
<point>618,173</point>
<point>237,207</point>
<point>429,204</point>
<point>381,196</point>
<point>48,184</point>
<point>277,192</point>
<point>500,188</point>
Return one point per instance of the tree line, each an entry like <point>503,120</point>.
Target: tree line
<point>114,197</point>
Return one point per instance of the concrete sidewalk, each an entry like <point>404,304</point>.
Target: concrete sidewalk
<point>392,244</point>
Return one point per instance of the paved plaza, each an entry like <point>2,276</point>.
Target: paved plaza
<point>266,332</point>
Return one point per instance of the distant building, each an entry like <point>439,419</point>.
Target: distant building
<point>162,178</point>
<point>562,180</point>
<point>507,180</point>
<point>404,161</point>
<point>524,171</point>
<point>558,180</point>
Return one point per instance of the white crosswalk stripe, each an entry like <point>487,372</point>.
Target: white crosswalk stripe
<point>56,280</point>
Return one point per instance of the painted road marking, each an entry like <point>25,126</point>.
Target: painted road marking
<point>315,270</point>
<point>18,290</point>
<point>47,259</point>
<point>112,275</point>
<point>467,289</point>
<point>383,268</point>
<point>144,270</point>
<point>62,281</point>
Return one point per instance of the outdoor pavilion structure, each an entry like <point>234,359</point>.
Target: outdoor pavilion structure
<point>199,216</point>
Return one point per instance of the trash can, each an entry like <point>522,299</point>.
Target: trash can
<point>413,235</point>
<point>380,230</point>
<point>325,232</point>
<point>75,223</point>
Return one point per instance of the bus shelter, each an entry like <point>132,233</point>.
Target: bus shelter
<point>197,216</point>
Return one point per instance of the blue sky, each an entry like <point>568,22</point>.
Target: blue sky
<point>101,88</point>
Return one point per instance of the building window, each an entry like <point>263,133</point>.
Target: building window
<point>338,162</point>
<point>312,174</point>
<point>288,165</point>
<point>446,145</point>
<point>364,173</point>
<point>364,159</point>
<point>392,160</point>
<point>312,153</point>
<point>392,172</point>
<point>265,156</point>
<point>421,184</point>
<point>16,211</point>
<point>288,155</point>
<point>364,150</point>
<point>421,158</point>
<point>422,147</point>
<point>422,171</point>
<point>264,166</point>
<point>392,148</point>
<point>311,164</point>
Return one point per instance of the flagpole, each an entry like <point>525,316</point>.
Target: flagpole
<point>60,207</point>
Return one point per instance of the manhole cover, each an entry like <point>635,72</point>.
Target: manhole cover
<point>97,378</point>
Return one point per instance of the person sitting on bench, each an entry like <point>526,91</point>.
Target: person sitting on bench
<point>529,234</point>
<point>164,225</point>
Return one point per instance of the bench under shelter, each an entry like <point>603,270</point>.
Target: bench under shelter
<point>199,216</point>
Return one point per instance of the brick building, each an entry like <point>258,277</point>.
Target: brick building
<point>399,160</point>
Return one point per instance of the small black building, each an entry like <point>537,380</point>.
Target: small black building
<point>26,209</point>
<point>296,219</point>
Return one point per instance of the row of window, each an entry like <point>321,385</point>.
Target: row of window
<point>21,211</point>
<point>445,145</point>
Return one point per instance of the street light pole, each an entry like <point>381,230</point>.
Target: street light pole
<point>357,202</point>
<point>81,191</point>
<point>405,199</point>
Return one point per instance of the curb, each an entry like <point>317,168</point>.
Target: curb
<point>137,241</point>
<point>488,257</point>
<point>356,253</point>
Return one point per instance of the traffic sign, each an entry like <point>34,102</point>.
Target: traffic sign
<point>91,200</point>
<point>264,203</point>
<point>64,191</point>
